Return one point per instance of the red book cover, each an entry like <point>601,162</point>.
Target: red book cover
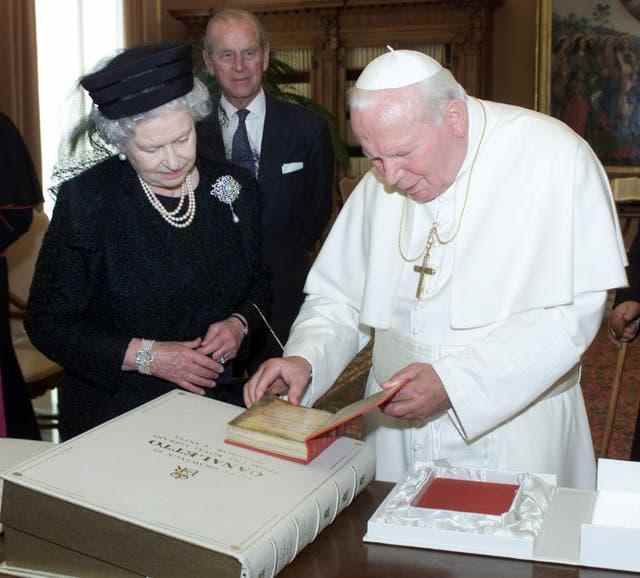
<point>470,496</point>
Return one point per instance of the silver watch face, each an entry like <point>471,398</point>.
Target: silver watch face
<point>144,357</point>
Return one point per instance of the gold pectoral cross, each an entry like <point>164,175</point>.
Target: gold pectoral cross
<point>424,269</point>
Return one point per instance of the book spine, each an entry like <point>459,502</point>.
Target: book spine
<point>291,534</point>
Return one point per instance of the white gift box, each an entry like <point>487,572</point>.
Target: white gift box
<point>612,538</point>
<point>545,523</point>
<point>398,521</point>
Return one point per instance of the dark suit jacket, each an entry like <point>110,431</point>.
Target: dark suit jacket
<point>296,205</point>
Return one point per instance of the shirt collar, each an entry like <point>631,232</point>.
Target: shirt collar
<point>256,107</point>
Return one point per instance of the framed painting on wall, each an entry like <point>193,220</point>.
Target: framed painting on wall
<point>589,75</point>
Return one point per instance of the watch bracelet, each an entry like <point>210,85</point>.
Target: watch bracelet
<point>144,356</point>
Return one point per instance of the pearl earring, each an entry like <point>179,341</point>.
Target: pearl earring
<point>122,156</point>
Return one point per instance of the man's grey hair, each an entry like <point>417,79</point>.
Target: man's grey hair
<point>434,93</point>
<point>118,132</point>
<point>227,15</point>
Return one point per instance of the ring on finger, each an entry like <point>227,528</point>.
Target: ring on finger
<point>222,359</point>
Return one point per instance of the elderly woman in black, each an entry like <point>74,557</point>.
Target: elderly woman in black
<point>150,274</point>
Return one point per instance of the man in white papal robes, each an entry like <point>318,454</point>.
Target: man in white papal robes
<point>479,250</point>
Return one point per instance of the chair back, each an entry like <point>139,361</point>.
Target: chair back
<point>21,261</point>
<point>22,255</point>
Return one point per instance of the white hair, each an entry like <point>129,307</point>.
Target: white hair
<point>117,132</point>
<point>434,93</point>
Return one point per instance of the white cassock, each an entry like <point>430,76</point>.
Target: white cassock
<point>516,298</point>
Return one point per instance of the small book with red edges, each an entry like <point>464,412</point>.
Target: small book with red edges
<point>275,427</point>
<point>471,496</point>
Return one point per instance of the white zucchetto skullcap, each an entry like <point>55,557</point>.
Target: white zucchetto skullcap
<point>397,68</point>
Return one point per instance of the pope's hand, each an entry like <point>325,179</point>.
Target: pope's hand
<point>279,376</point>
<point>624,320</point>
<point>422,396</point>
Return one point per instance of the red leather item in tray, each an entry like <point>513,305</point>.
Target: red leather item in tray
<point>467,496</point>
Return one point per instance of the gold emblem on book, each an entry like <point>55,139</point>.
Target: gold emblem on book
<point>182,473</point>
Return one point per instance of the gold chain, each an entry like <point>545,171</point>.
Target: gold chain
<point>433,232</point>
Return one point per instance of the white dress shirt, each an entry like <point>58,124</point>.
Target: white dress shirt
<point>254,123</point>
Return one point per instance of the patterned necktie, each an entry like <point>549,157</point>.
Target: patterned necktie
<point>241,153</point>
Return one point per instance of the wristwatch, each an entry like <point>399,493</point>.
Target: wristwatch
<point>144,357</point>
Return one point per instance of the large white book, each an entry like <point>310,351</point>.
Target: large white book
<point>13,451</point>
<point>156,492</point>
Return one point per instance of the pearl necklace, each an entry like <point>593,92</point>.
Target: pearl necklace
<point>172,217</point>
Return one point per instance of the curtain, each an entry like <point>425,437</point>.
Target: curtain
<point>19,71</point>
<point>142,21</point>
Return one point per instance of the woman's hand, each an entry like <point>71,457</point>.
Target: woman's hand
<point>223,339</point>
<point>181,363</point>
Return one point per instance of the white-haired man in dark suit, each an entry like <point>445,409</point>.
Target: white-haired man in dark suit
<point>290,153</point>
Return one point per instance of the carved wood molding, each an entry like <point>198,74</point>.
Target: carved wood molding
<point>357,22</point>
<point>191,16</point>
<point>299,28</point>
<point>457,4</point>
<point>407,25</point>
<point>331,28</point>
<point>195,16</point>
<point>266,6</point>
